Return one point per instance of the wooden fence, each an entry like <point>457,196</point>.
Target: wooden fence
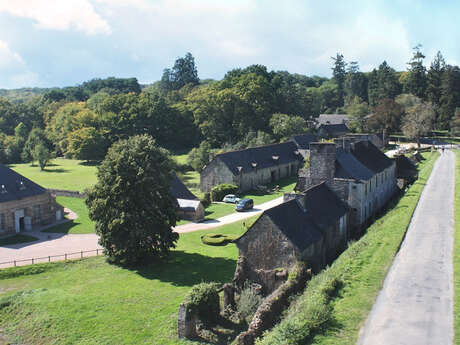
<point>51,258</point>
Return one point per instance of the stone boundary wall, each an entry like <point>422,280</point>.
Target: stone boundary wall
<point>271,309</point>
<point>69,193</point>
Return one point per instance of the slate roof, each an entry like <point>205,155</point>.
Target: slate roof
<point>262,156</point>
<point>349,167</point>
<point>180,191</point>
<point>324,205</point>
<point>303,140</point>
<point>334,130</point>
<point>305,227</point>
<point>405,168</point>
<point>332,119</point>
<point>14,186</point>
<point>370,156</point>
<point>298,226</point>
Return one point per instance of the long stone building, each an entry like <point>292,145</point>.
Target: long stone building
<point>252,167</point>
<point>310,227</point>
<point>24,204</point>
<point>358,172</point>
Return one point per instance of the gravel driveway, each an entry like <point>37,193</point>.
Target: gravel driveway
<point>51,244</point>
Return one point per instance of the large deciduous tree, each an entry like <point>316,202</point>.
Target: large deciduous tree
<point>418,121</point>
<point>386,117</point>
<point>131,202</point>
<point>283,126</point>
<point>357,112</point>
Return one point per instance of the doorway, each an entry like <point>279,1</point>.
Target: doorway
<point>19,220</point>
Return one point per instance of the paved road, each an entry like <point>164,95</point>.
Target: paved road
<point>59,244</point>
<point>415,305</point>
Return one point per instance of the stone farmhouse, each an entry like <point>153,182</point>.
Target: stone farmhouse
<point>24,204</point>
<point>377,139</point>
<point>189,207</point>
<point>252,167</point>
<point>310,227</point>
<point>358,172</point>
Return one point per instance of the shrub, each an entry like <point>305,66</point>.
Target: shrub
<point>221,190</point>
<point>203,300</point>
<point>217,239</point>
<point>248,302</point>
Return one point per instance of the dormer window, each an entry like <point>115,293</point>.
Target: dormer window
<point>3,191</point>
<point>22,186</point>
<point>239,169</point>
<point>254,165</point>
<point>275,158</point>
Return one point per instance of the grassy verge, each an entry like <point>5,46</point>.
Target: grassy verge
<point>457,251</point>
<point>345,292</point>
<point>15,239</point>
<point>81,225</point>
<point>61,173</point>
<point>91,302</point>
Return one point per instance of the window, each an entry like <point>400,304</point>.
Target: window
<point>2,221</point>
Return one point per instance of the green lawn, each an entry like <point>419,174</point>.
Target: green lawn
<point>457,251</point>
<point>15,239</point>
<point>81,225</point>
<point>347,290</point>
<point>92,302</point>
<point>69,174</point>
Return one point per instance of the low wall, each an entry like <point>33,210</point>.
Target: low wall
<point>69,193</point>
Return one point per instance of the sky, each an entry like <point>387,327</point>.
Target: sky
<point>56,43</point>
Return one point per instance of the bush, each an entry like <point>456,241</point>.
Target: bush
<point>221,190</point>
<point>217,239</point>
<point>203,300</point>
<point>206,201</point>
<point>248,302</point>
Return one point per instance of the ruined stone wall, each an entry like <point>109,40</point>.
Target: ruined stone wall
<point>265,248</point>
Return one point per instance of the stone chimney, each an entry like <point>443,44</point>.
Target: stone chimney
<point>322,162</point>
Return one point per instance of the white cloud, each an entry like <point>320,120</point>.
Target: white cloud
<point>9,58</point>
<point>58,14</point>
<point>14,70</point>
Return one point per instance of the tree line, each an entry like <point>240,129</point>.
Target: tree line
<point>249,106</point>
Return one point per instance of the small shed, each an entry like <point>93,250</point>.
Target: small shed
<point>189,207</point>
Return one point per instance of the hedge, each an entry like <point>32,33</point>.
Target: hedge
<point>203,299</point>
<point>217,239</point>
<point>221,190</point>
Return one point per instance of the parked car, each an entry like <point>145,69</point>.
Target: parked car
<point>231,198</point>
<point>245,204</point>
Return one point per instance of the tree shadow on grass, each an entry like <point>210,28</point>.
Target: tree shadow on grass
<point>188,269</point>
<point>63,228</point>
<point>56,170</point>
<point>90,163</point>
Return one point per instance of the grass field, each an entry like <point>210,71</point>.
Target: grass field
<point>81,225</point>
<point>457,251</point>
<point>354,280</point>
<point>62,173</point>
<point>92,302</point>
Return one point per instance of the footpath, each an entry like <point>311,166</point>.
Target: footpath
<point>55,244</point>
<point>415,305</point>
